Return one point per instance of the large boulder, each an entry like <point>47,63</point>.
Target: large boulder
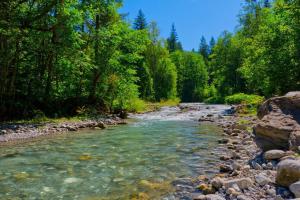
<point>279,124</point>
<point>288,172</point>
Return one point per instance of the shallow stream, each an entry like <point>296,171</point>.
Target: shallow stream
<point>133,161</point>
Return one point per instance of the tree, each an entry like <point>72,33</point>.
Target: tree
<point>192,76</point>
<point>212,44</point>
<point>225,62</point>
<point>172,41</point>
<point>140,22</point>
<point>204,48</point>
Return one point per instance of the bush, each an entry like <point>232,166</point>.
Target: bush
<point>242,98</point>
<point>249,103</point>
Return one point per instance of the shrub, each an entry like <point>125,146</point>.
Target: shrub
<point>249,103</point>
<point>242,98</point>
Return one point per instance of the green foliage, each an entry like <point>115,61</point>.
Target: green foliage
<point>172,41</point>
<point>192,76</point>
<point>165,80</point>
<point>242,98</point>
<point>248,103</point>
<point>140,22</point>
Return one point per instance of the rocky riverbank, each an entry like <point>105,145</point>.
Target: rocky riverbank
<point>19,132</point>
<point>253,164</point>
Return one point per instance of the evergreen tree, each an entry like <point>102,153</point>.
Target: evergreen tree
<point>140,22</point>
<point>173,40</point>
<point>204,48</point>
<point>212,44</point>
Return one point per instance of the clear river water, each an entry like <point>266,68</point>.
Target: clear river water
<point>134,161</point>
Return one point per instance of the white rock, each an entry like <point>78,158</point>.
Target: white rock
<point>295,189</point>
<point>274,154</point>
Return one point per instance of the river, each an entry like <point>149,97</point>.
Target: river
<point>135,161</point>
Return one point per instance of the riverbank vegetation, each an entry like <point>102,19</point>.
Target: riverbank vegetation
<point>58,57</point>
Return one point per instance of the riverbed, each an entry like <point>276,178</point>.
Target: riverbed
<point>133,161</point>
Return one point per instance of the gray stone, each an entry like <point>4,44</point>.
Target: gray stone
<point>243,197</point>
<point>217,182</point>
<point>208,197</point>
<point>262,179</point>
<point>295,189</point>
<point>257,166</point>
<point>243,183</point>
<point>274,154</point>
<point>271,192</point>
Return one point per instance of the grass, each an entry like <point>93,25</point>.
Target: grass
<point>249,103</point>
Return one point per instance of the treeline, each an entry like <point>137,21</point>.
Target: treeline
<point>60,57</point>
<point>263,56</point>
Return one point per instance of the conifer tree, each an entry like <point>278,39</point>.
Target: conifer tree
<point>172,40</point>
<point>204,48</point>
<point>212,44</point>
<point>140,22</point>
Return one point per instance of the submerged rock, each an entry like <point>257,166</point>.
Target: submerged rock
<point>72,180</point>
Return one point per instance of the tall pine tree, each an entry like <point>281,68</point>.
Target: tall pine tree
<point>173,43</point>
<point>212,44</point>
<point>204,48</point>
<point>140,22</point>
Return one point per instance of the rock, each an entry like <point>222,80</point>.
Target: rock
<point>271,192</point>
<point>291,157</point>
<point>243,197</point>
<point>71,180</point>
<point>242,183</point>
<point>230,191</point>
<point>236,166</point>
<point>225,168</point>
<point>257,166</point>
<point>278,127</point>
<point>288,172</point>
<point>224,158</point>
<point>223,141</point>
<point>2,132</point>
<point>214,197</point>
<point>295,189</point>
<point>246,167</point>
<point>262,180</point>
<point>269,165</point>
<point>274,154</point>
<point>209,197</point>
<point>101,125</point>
<point>71,128</point>
<point>235,155</point>
<point>217,183</point>
<point>206,189</point>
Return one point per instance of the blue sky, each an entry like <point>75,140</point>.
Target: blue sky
<point>192,18</point>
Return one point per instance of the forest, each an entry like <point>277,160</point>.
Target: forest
<point>59,57</point>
